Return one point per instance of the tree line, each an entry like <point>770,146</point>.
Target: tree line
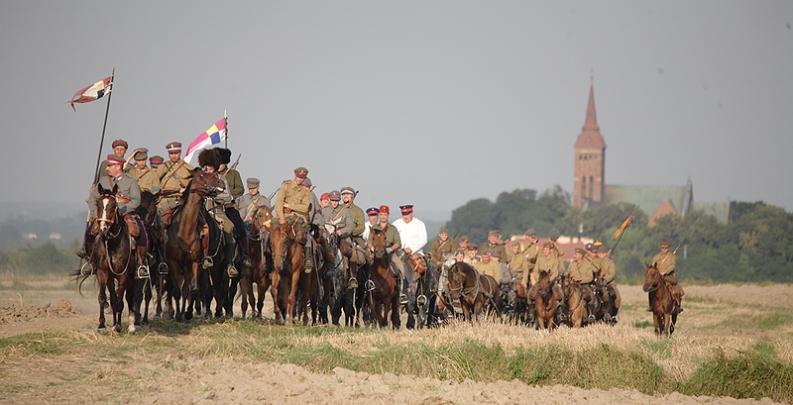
<point>756,244</point>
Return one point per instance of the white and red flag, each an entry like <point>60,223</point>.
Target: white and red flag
<point>212,136</point>
<point>92,92</point>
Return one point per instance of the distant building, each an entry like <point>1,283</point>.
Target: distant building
<point>31,236</point>
<point>590,188</point>
<point>55,236</point>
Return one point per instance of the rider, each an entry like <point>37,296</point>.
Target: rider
<point>582,271</point>
<point>413,234</point>
<point>217,204</point>
<point>608,272</point>
<point>471,252</point>
<point>338,220</point>
<point>462,243</point>
<point>250,201</point>
<point>324,200</point>
<point>489,267</point>
<point>495,244</point>
<point>548,262</point>
<point>128,199</point>
<point>348,195</point>
<point>173,177</point>
<point>372,215</point>
<point>155,162</point>
<point>442,248</point>
<point>292,203</point>
<point>146,177</point>
<point>518,267</point>
<point>665,263</point>
<point>119,147</point>
<point>392,241</point>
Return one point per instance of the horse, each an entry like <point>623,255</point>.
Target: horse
<point>546,302</point>
<point>261,263</point>
<point>341,295</point>
<point>113,259</point>
<point>576,308</point>
<point>147,210</point>
<point>287,242</point>
<point>183,249</point>
<point>473,289</point>
<point>382,288</point>
<point>661,301</point>
<point>425,291</point>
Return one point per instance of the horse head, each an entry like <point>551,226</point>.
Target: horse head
<point>378,243</point>
<point>106,208</point>
<point>652,278</point>
<point>281,236</point>
<point>544,284</point>
<point>262,219</point>
<point>205,184</point>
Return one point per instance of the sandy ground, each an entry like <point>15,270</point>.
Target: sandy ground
<point>80,378</point>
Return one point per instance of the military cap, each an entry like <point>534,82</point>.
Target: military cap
<point>579,250</point>
<point>174,147</point>
<point>372,211</point>
<point>406,209</point>
<point>142,154</point>
<point>120,142</point>
<point>443,230</point>
<point>347,190</point>
<point>589,246</point>
<point>548,245</point>
<point>529,232</point>
<point>485,252</point>
<point>301,172</point>
<point>156,160</point>
<point>209,158</point>
<point>324,196</point>
<point>335,195</point>
<point>463,238</point>
<point>472,246</point>
<point>252,182</point>
<point>225,155</point>
<point>597,243</point>
<point>665,243</point>
<point>307,182</point>
<point>385,208</point>
<point>114,160</point>
<point>493,232</point>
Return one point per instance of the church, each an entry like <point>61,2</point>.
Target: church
<point>591,190</point>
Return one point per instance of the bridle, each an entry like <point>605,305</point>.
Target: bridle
<point>461,290</point>
<point>113,220</point>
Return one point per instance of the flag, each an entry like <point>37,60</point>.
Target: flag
<point>625,224</point>
<point>92,92</point>
<point>212,136</point>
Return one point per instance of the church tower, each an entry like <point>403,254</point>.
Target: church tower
<point>590,160</point>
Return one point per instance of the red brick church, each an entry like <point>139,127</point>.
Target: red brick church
<point>590,188</point>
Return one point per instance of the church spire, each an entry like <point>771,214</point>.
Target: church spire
<point>591,122</point>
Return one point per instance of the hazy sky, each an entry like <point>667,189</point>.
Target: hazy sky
<point>430,102</point>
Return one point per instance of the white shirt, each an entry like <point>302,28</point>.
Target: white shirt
<point>413,234</point>
<point>366,227</point>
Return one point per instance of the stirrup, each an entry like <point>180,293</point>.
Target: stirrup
<point>207,263</point>
<point>369,285</point>
<point>403,299</point>
<point>87,269</point>
<point>352,283</point>
<point>143,272</point>
<point>421,300</point>
<point>232,271</point>
<point>162,268</point>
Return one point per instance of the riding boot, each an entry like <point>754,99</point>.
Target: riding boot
<point>411,323</point>
<point>243,242</point>
<point>649,303</point>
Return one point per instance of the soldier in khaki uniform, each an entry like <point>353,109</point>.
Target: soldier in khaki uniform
<point>547,262</point>
<point>348,195</point>
<point>233,178</point>
<point>249,202</point>
<point>531,251</point>
<point>292,200</point>
<point>495,244</point>
<point>392,239</point>
<point>489,267</point>
<point>665,262</point>
<point>471,255</point>
<point>608,272</point>
<point>173,176</point>
<point>518,266</point>
<point>442,248</point>
<point>582,271</point>
<point>155,162</point>
<point>146,177</point>
<point>462,243</point>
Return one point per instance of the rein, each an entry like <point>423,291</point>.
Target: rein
<point>465,292</point>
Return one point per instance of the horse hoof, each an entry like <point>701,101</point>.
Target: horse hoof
<point>132,329</point>
<point>101,331</point>
<point>117,328</point>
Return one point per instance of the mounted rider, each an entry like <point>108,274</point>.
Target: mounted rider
<point>339,222</point>
<point>292,204</point>
<point>120,148</point>
<point>442,248</point>
<point>173,176</point>
<point>146,177</point>
<point>250,201</point>
<point>359,255</point>
<point>548,262</point>
<point>372,216</point>
<point>665,263</point>
<point>582,272</point>
<point>413,234</point>
<point>236,190</point>
<point>495,244</point>
<point>608,273</point>
<point>155,162</point>
<point>128,200</point>
<point>530,251</point>
<point>392,239</point>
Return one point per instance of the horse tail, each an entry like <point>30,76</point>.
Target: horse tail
<point>79,278</point>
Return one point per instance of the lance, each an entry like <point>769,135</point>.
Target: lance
<point>104,126</point>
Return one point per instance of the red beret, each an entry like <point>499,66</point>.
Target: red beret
<point>120,142</point>
<point>156,160</point>
<point>114,160</point>
<point>384,208</point>
<point>324,196</point>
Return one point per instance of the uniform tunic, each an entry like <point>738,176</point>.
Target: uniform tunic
<point>440,249</point>
<point>519,266</point>
<point>532,253</point>
<point>491,268</point>
<point>128,193</point>
<point>172,178</point>
<point>358,219</point>
<point>234,180</point>
<point>146,178</point>
<point>338,219</point>
<point>391,235</point>
<point>582,271</point>
<point>412,234</point>
<point>248,203</point>
<point>665,262</point>
<point>607,269</point>
<point>294,197</point>
<point>550,264</point>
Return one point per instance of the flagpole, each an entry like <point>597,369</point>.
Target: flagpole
<point>226,119</point>
<point>104,126</point>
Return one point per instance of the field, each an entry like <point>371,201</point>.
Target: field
<point>732,341</point>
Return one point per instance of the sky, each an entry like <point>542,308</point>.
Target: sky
<point>431,103</point>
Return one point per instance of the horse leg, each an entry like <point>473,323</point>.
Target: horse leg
<point>657,323</point>
<point>102,298</point>
<point>136,294</point>
<point>276,282</point>
<point>667,324</point>
<point>672,325</point>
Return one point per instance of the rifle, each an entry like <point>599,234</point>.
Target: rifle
<point>236,162</point>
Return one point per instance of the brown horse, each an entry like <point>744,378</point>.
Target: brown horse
<point>576,310</point>
<point>114,261</point>
<point>382,293</point>
<point>287,244</point>
<point>661,301</point>
<point>184,250</point>
<point>155,257</point>
<point>261,262</point>
<point>474,290</point>
<point>546,302</point>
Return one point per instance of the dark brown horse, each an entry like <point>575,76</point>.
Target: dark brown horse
<point>261,263</point>
<point>473,289</point>
<point>382,293</point>
<point>155,258</point>
<point>114,261</point>
<point>576,308</point>
<point>661,302</point>
<point>287,244</point>
<point>183,250</point>
<point>546,302</point>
